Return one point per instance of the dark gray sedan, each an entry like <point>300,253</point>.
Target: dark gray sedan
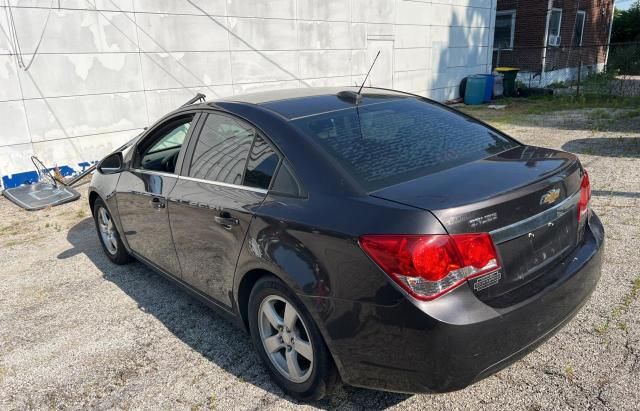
<point>377,239</point>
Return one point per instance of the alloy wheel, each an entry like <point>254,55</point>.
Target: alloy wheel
<point>107,231</point>
<point>285,338</point>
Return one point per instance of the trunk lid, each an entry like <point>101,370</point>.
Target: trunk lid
<point>525,197</point>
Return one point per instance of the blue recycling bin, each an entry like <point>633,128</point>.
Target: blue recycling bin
<point>488,89</point>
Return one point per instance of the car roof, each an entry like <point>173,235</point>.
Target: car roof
<point>302,102</point>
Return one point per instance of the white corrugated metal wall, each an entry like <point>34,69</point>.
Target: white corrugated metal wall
<point>105,69</point>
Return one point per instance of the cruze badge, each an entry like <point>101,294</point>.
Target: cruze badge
<point>550,196</point>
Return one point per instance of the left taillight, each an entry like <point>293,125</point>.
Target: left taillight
<point>585,197</point>
<point>428,266</point>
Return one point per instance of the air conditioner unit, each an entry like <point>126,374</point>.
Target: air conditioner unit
<point>554,41</point>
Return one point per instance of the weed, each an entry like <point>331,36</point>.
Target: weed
<point>4,372</point>
<point>620,309</point>
<point>600,114</point>
<point>569,372</point>
<point>602,329</point>
<point>81,213</point>
<point>212,401</point>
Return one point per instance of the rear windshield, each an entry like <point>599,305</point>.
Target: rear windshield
<point>387,143</point>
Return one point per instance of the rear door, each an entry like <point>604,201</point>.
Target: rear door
<point>143,189</point>
<point>225,177</point>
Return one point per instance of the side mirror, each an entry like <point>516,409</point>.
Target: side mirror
<point>111,164</point>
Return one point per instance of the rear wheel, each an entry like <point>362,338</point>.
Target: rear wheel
<point>108,234</point>
<point>288,341</point>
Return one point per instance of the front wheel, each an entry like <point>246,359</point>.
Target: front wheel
<point>108,234</point>
<point>288,341</point>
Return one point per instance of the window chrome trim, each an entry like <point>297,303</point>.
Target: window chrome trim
<point>153,172</point>
<point>218,183</point>
<point>532,223</point>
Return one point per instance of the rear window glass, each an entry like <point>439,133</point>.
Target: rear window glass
<point>388,143</point>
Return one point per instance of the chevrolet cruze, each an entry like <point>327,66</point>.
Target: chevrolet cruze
<point>373,238</point>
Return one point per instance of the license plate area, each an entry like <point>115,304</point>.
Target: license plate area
<point>549,242</point>
<point>527,256</point>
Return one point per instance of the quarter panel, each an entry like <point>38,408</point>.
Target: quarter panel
<point>312,244</point>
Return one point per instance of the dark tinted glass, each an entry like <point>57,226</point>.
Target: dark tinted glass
<point>261,165</point>
<point>161,149</point>
<point>387,143</point>
<point>285,182</point>
<point>222,150</point>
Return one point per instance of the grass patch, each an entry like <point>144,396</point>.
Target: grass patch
<point>518,110</point>
<point>629,114</point>
<point>600,114</point>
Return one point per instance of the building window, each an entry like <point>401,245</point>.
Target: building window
<point>580,19</point>
<point>554,27</point>
<point>505,30</point>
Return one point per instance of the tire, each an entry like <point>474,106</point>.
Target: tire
<point>108,234</point>
<point>310,380</point>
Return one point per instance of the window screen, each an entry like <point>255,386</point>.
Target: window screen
<point>503,35</point>
<point>261,165</point>
<point>579,28</point>
<point>554,26</point>
<point>387,143</point>
<point>222,150</point>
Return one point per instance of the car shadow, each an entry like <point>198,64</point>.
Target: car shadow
<point>201,328</point>
<point>605,146</point>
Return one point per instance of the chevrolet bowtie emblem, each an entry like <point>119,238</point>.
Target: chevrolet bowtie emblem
<point>550,196</point>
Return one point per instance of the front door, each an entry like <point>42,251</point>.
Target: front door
<point>143,190</point>
<point>225,180</point>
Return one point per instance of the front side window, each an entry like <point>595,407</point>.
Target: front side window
<point>505,29</point>
<point>159,152</point>
<point>555,20</point>
<point>384,144</point>
<point>261,165</point>
<point>222,149</point>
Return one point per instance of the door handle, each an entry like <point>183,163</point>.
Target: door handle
<point>226,221</point>
<point>157,202</point>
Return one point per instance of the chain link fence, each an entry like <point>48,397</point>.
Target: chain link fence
<point>602,69</point>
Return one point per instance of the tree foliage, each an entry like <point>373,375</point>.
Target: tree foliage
<point>626,24</point>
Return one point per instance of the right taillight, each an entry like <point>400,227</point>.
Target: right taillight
<point>585,197</point>
<point>428,266</point>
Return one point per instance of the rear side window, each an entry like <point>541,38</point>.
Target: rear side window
<point>221,150</point>
<point>261,165</point>
<point>387,143</point>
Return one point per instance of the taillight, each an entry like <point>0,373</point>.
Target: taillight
<point>428,266</point>
<point>585,196</point>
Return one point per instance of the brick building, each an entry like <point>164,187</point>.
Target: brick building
<point>547,40</point>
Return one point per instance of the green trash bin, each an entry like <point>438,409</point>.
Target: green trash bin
<point>510,74</point>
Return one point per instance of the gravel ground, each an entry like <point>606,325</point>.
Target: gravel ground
<point>79,332</point>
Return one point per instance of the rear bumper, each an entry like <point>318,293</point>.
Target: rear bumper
<point>456,340</point>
